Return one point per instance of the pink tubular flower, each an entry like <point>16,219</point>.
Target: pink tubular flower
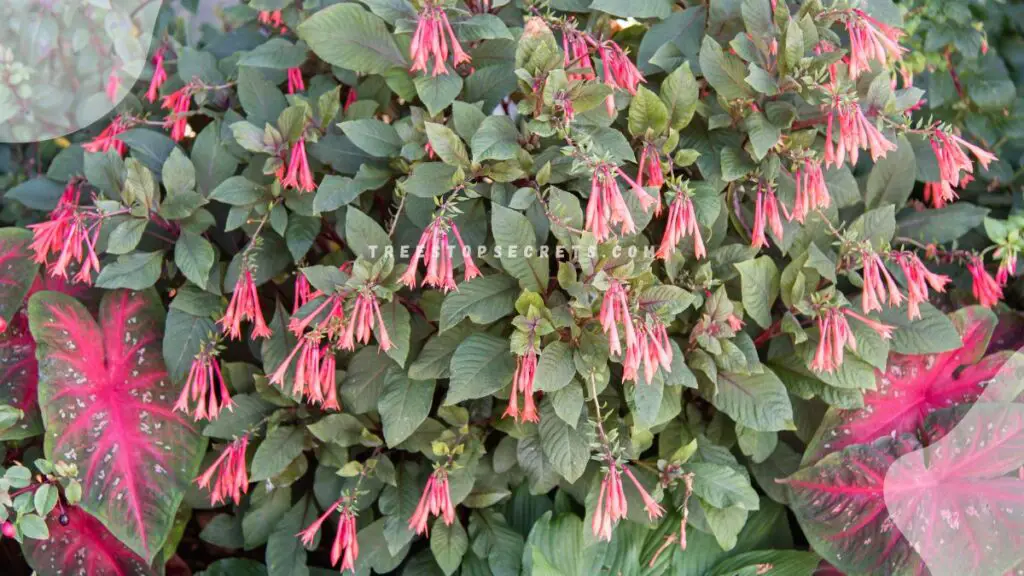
<point>244,305</point>
<point>1007,266</point>
<point>955,167</point>
<point>653,509</point>
<point>526,370</point>
<point>303,293</point>
<point>429,41</point>
<point>766,215</point>
<point>436,500</point>
<point>346,543</point>
<point>113,85</point>
<point>436,251</point>
<point>232,478</point>
<point>350,99</point>
<point>611,504</point>
<point>177,104</point>
<point>576,55</point>
<point>651,348</point>
<point>919,279</point>
<point>295,82</point>
<point>985,288</point>
<point>856,133</point>
<point>109,138</point>
<point>650,162</point>
<point>299,176</point>
<point>606,206</point>
<point>159,75</point>
<point>682,222</point>
<point>205,388</point>
<point>615,310</point>
<point>360,326</point>
<point>835,335</point>
<point>7,530</point>
<point>871,40</point>
<point>811,192</point>
<point>70,233</point>
<point>879,284</point>
<point>306,382</point>
<point>273,19</point>
<point>619,72</point>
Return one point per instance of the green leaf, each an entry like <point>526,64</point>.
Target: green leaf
<point>373,137</point>
<point>942,225</point>
<point>213,161</point>
<point>262,101</point>
<point>723,486</point>
<point>680,92</point>
<point>404,404</point>
<point>126,237</point>
<point>446,144</point>
<point>276,53</point>
<point>149,147</point>
<point>448,544</point>
<point>364,380</point>
<point>342,429</point>
<point>34,527</point>
<point>638,9</point>
<point>515,237</point>
<point>566,447</point>
<point>481,366</point>
<point>364,236</point>
<point>37,193</point>
<point>238,191</point>
<point>877,226</point>
<point>759,282</point>
<point>136,271</point>
<point>248,410</point>
<point>182,338</point>
<point>178,173</point>
<point>436,355</point>
<point>725,72</point>
<point>758,401</point>
<point>647,112</point>
<point>556,368</point>
<point>891,181</point>
<point>933,333</point>
<point>481,27</point>
<point>194,256</point>
<point>282,445</point>
<point>437,92</point>
<point>349,37</point>
<point>430,179</point>
<point>398,323</point>
<point>763,134</point>
<point>496,139</point>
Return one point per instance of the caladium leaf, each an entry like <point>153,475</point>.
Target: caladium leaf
<point>84,546</point>
<point>913,387</point>
<point>17,271</point>
<point>107,403</point>
<point>950,496</point>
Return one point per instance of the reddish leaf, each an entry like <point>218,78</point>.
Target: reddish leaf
<point>17,270</point>
<point>18,369</point>
<point>107,403</point>
<point>913,387</point>
<point>83,547</point>
<point>959,499</point>
<point>840,504</point>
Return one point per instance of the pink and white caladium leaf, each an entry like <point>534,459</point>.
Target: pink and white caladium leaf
<point>19,373</point>
<point>17,272</point>
<point>895,506</point>
<point>912,387</point>
<point>83,546</point>
<point>17,350</point>
<point>107,404</point>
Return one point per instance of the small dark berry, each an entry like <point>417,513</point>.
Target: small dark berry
<point>64,520</point>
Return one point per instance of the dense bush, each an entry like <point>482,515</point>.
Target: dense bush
<point>622,286</point>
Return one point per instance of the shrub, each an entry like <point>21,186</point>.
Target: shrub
<point>507,288</point>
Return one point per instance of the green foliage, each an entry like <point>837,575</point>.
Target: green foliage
<point>672,244</point>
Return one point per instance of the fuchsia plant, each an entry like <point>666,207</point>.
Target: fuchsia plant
<point>505,288</point>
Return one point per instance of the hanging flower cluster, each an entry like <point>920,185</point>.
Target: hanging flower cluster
<point>227,475</point>
<point>611,501</point>
<point>955,167</point>
<point>835,335</point>
<point>70,235</point>
<point>108,138</point>
<point>435,501</point>
<point>766,215</point>
<point>435,250</point>
<point>244,306</point>
<point>430,41</point>
<point>345,548</point>
<point>204,386</point>
<point>682,222</point>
